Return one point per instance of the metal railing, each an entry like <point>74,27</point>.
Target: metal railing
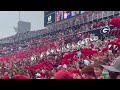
<point>100,15</point>
<point>116,12</point>
<point>110,13</point>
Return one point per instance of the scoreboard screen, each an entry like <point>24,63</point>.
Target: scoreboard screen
<point>49,19</point>
<point>57,16</point>
<point>67,14</point>
<point>74,13</point>
<point>62,15</point>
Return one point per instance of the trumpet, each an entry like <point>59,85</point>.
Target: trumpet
<point>79,43</point>
<point>68,45</point>
<point>94,38</point>
<point>83,42</point>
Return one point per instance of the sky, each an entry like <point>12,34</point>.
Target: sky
<point>9,19</point>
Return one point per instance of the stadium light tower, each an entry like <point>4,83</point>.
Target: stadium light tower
<point>16,28</point>
<point>19,15</point>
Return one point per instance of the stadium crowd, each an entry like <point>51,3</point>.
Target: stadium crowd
<point>64,53</point>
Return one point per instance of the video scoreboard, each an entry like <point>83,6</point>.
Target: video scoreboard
<point>57,16</point>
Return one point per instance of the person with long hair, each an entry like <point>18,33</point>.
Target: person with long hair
<point>88,72</point>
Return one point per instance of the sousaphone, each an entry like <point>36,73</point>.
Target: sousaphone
<point>87,40</point>
<point>93,38</point>
<point>79,43</point>
<point>83,42</point>
<point>68,46</point>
